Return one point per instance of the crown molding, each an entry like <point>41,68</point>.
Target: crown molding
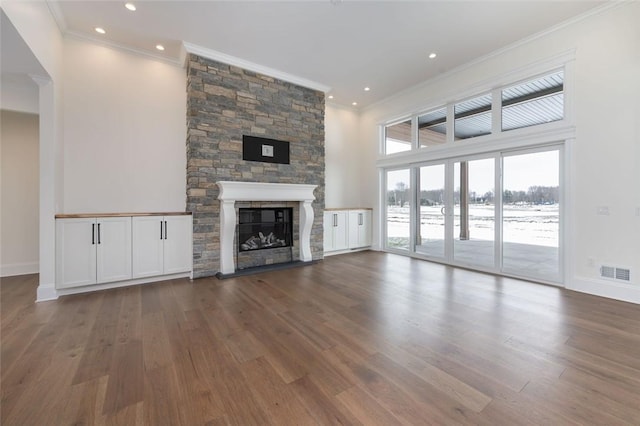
<point>58,16</point>
<point>612,4</point>
<point>252,66</point>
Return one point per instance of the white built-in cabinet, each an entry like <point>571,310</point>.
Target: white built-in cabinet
<point>346,229</point>
<point>120,248</point>
<point>92,251</point>
<point>161,245</point>
<point>336,235</point>
<point>359,228</point>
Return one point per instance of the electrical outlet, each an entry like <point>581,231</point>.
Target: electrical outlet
<point>591,262</point>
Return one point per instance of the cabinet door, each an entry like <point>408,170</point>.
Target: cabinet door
<point>328,231</point>
<point>354,228</point>
<point>147,245</point>
<point>340,231</point>
<point>177,244</point>
<point>359,228</point>
<point>75,252</point>
<point>365,229</point>
<point>113,243</point>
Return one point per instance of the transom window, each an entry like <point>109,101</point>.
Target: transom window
<point>473,117</point>
<point>534,102</point>
<point>397,137</point>
<point>432,128</point>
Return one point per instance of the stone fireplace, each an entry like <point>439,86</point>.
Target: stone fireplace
<point>225,103</point>
<point>232,192</point>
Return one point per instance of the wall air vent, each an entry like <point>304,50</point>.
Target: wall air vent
<point>614,273</point>
<point>608,272</point>
<point>623,274</point>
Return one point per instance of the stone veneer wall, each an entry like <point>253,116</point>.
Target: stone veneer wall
<point>225,102</point>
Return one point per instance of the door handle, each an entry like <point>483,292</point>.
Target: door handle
<point>335,220</point>
<point>165,230</point>
<point>443,211</point>
<point>161,230</point>
<point>93,233</point>
<point>98,233</point>
<point>360,221</point>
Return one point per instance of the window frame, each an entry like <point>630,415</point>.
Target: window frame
<point>496,114</point>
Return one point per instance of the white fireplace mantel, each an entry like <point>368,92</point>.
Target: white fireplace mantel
<point>230,192</point>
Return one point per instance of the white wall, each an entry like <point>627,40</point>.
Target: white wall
<point>605,163</point>
<point>342,162</point>
<point>19,94</point>
<point>124,131</point>
<point>19,193</point>
<point>36,26</point>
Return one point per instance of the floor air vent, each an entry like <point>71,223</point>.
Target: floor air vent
<point>613,273</point>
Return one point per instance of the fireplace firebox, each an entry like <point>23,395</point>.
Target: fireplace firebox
<point>264,228</point>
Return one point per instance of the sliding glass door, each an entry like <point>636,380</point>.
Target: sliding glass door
<point>398,200</point>
<point>498,212</point>
<point>474,212</point>
<point>531,214</point>
<point>431,211</point>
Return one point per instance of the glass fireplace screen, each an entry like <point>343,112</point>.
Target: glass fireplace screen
<point>264,228</point>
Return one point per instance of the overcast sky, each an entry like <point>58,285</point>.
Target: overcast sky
<point>520,172</point>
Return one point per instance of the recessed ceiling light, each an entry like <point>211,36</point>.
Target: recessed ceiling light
<point>432,55</point>
<point>354,103</point>
<point>330,96</point>
<point>100,30</point>
<point>366,89</point>
<point>130,6</point>
<point>159,47</point>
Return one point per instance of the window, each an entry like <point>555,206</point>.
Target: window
<point>473,117</point>
<point>531,214</point>
<point>398,209</point>
<point>534,102</point>
<point>498,211</point>
<point>491,203</point>
<point>432,128</point>
<point>397,137</point>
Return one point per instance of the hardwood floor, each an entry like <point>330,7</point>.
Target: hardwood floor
<point>365,338</point>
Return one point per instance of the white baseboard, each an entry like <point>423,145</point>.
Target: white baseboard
<point>605,288</point>
<point>105,286</point>
<point>333,253</point>
<point>23,268</point>
<point>44,294</point>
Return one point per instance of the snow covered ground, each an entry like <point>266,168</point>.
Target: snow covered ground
<point>525,224</point>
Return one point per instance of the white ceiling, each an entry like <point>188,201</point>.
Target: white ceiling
<point>345,45</point>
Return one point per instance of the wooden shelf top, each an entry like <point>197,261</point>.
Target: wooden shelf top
<point>88,215</point>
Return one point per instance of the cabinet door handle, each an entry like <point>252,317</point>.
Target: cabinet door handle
<point>161,230</point>
<point>359,218</point>
<point>93,233</point>
<point>98,233</point>
<point>335,220</point>
<point>165,229</point>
